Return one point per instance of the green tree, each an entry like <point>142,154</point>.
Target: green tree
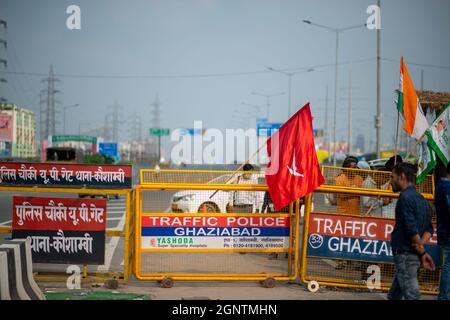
<point>95,159</point>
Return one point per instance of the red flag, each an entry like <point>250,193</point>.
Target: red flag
<point>293,170</point>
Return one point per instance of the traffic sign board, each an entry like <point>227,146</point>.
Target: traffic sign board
<point>159,131</point>
<point>192,132</point>
<point>318,133</point>
<point>108,149</point>
<point>63,138</point>
<point>267,129</point>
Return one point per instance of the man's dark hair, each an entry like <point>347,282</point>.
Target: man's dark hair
<point>407,169</point>
<point>348,160</point>
<point>247,167</point>
<point>389,165</point>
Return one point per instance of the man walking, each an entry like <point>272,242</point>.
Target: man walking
<point>412,230</point>
<point>442,203</point>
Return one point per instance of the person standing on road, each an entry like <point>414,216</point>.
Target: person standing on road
<point>369,205</point>
<point>388,208</point>
<point>412,230</point>
<point>442,203</point>
<point>244,201</point>
<point>346,203</point>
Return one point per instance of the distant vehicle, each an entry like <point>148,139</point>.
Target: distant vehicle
<point>378,164</point>
<point>63,155</point>
<point>71,155</point>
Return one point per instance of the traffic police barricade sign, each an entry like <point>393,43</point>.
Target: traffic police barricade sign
<point>212,225</point>
<point>66,227</point>
<point>62,230</point>
<point>346,238</point>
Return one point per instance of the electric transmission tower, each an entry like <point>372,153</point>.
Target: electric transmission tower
<point>112,122</point>
<point>49,102</point>
<point>135,127</point>
<point>156,113</point>
<point>156,119</point>
<point>3,61</point>
<point>135,136</point>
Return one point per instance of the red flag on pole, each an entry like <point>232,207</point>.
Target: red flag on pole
<point>293,170</point>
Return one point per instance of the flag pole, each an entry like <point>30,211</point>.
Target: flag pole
<point>241,166</point>
<point>396,138</point>
<point>415,145</point>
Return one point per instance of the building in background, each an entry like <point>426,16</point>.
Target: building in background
<point>140,151</point>
<point>17,132</point>
<point>360,144</point>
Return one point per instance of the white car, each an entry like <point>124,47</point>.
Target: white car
<point>192,201</point>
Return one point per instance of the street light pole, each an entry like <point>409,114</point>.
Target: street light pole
<point>335,98</point>
<point>350,113</point>
<point>268,96</point>
<point>326,133</point>
<point>289,75</point>
<point>378,118</point>
<point>64,112</point>
<point>289,94</point>
<point>257,108</point>
<point>336,31</point>
<point>247,115</point>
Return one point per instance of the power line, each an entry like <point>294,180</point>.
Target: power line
<point>213,75</point>
<point>418,64</point>
<point>22,93</point>
<point>17,61</point>
<point>37,74</point>
<point>205,75</point>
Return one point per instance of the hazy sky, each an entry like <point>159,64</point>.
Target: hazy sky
<point>189,38</point>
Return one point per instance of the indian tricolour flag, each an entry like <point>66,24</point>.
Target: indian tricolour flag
<point>409,106</point>
<point>426,160</point>
<point>438,135</point>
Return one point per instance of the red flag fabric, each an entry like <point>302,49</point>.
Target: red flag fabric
<point>293,170</point>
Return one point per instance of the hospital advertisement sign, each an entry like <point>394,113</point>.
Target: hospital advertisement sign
<point>230,232</point>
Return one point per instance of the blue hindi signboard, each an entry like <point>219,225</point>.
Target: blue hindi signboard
<point>108,149</point>
<point>191,131</point>
<point>267,129</point>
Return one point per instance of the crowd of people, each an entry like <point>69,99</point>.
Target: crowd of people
<point>412,213</point>
<point>413,220</point>
<point>362,178</point>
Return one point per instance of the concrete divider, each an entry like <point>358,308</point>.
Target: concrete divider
<point>16,272</point>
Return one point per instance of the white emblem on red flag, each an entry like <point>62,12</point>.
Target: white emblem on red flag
<point>293,170</point>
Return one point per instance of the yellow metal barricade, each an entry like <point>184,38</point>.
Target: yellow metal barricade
<point>347,227</point>
<point>55,272</point>
<point>163,196</point>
